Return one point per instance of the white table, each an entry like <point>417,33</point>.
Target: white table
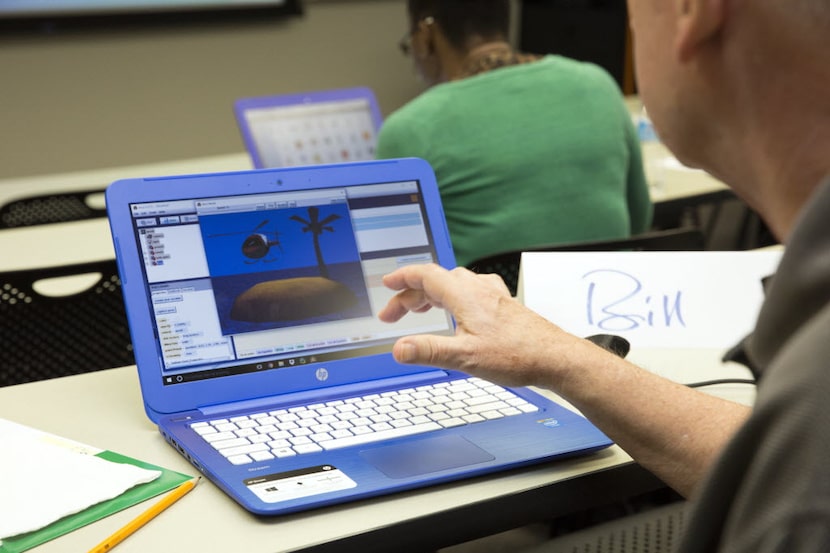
<point>104,409</point>
<point>75,242</point>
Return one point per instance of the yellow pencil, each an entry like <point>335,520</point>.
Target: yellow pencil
<point>144,517</point>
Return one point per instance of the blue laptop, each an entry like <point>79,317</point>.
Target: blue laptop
<point>252,300</point>
<point>309,128</point>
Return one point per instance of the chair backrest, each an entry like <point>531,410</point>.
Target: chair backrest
<point>53,208</point>
<point>506,264</point>
<point>45,336</point>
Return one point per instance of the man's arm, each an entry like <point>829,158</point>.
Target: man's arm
<point>674,431</point>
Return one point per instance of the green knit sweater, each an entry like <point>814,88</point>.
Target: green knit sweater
<point>525,155</point>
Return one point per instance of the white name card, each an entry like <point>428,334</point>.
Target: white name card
<point>653,299</point>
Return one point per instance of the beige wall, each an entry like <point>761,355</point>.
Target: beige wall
<point>77,101</point>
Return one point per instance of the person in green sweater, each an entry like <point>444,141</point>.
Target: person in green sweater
<point>527,150</point>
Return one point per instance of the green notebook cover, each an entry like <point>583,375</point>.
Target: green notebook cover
<point>167,481</point>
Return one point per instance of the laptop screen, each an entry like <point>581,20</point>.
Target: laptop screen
<point>321,127</point>
<point>259,282</point>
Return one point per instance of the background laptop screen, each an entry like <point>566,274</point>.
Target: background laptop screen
<point>259,282</point>
<point>311,134</point>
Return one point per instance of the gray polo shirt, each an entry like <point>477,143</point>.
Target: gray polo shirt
<point>770,490</point>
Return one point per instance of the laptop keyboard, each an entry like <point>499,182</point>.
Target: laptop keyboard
<point>359,420</point>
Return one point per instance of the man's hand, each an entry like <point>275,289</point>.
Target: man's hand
<point>496,337</point>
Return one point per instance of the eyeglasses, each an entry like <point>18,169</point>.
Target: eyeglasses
<point>405,43</point>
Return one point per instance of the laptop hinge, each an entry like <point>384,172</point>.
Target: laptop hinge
<point>319,395</point>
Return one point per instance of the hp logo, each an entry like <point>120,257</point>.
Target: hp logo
<point>322,374</point>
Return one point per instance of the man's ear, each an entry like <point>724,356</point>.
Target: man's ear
<point>697,22</point>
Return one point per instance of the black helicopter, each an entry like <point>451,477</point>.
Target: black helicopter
<point>257,246</point>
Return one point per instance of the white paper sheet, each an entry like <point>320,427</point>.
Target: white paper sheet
<point>44,478</point>
<point>654,299</point>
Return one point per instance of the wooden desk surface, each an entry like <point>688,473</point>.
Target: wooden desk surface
<point>104,409</point>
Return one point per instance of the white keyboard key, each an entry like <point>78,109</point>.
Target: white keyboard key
<point>226,427</point>
<point>233,442</point>
<point>492,406</point>
<point>478,400</point>
<point>218,436</point>
<point>452,422</point>
<point>240,460</point>
<point>262,456</point>
<point>301,432</point>
<point>308,448</point>
<point>281,452</point>
<point>321,437</point>
<point>243,449</point>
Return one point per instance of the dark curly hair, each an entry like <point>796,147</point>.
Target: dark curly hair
<point>461,19</point>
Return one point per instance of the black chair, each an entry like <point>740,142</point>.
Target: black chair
<point>53,208</point>
<point>46,336</point>
<point>506,264</point>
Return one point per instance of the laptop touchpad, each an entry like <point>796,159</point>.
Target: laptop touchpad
<point>425,455</point>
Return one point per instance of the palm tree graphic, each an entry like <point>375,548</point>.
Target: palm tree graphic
<point>317,227</point>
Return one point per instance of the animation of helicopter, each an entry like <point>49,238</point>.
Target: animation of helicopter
<point>258,245</point>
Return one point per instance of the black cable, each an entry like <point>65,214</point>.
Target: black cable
<point>721,381</point>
